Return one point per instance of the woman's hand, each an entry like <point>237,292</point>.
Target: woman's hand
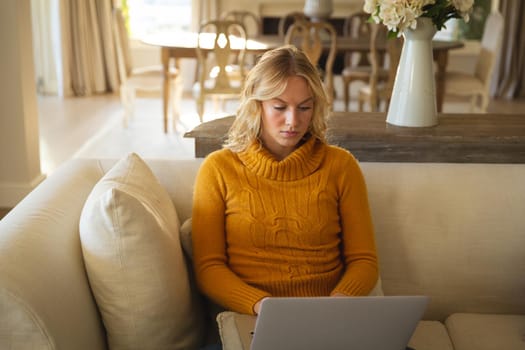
<point>257,306</point>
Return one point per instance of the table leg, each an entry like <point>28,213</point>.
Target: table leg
<point>165,57</point>
<point>441,58</point>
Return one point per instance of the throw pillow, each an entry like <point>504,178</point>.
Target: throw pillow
<point>185,239</point>
<point>134,261</point>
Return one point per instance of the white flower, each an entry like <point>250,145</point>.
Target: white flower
<point>399,15</point>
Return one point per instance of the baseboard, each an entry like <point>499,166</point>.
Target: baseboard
<point>13,192</point>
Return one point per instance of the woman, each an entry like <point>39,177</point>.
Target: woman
<point>278,211</point>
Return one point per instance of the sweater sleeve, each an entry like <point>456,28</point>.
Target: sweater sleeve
<point>214,277</point>
<point>359,249</point>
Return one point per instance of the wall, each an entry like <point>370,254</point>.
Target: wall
<point>19,138</point>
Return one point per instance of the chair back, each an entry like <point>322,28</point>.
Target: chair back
<point>382,91</point>
<point>356,26</point>
<point>490,47</point>
<point>252,23</point>
<point>219,43</point>
<point>288,19</point>
<point>394,48</point>
<point>315,38</point>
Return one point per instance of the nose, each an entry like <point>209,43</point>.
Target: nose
<point>291,117</point>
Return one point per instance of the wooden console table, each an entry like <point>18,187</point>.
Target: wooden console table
<point>458,138</point>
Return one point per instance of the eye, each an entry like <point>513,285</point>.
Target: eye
<point>279,108</point>
<point>305,108</point>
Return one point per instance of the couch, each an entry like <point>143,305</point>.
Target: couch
<point>454,232</point>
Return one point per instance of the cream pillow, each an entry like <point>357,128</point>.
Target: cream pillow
<point>136,268</point>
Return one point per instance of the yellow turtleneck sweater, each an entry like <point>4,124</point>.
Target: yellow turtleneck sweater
<point>296,227</point>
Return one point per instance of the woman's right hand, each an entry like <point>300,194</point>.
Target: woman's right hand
<point>257,306</point>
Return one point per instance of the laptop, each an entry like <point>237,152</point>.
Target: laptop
<point>333,323</point>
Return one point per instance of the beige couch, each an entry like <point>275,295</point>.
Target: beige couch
<point>455,232</point>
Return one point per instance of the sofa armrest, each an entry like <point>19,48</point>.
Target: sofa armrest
<point>44,290</point>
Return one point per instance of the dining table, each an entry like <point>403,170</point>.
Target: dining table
<point>176,46</point>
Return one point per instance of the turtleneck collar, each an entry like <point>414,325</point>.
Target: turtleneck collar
<point>300,163</point>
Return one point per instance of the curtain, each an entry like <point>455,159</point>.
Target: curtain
<point>509,76</point>
<point>207,10</point>
<point>89,49</point>
<point>73,47</point>
<point>46,46</point>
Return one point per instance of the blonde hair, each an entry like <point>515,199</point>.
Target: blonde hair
<point>267,80</point>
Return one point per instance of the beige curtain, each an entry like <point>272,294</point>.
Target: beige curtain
<point>509,79</point>
<point>46,46</point>
<point>207,10</point>
<point>89,52</point>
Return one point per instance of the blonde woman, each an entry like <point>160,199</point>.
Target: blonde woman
<point>278,211</point>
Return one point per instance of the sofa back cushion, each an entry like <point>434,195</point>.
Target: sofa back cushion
<point>454,232</point>
<point>136,268</point>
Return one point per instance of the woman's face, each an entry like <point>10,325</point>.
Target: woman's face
<point>286,118</point>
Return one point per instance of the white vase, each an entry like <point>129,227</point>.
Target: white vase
<point>318,10</point>
<point>413,101</point>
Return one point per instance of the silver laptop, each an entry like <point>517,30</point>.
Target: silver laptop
<point>346,323</point>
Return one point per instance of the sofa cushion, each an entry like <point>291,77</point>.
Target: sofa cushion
<point>185,239</point>
<point>136,268</point>
<point>470,331</point>
<point>430,335</point>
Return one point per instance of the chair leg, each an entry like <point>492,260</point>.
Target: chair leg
<point>127,99</point>
<point>200,108</point>
<point>176,100</point>
<point>360,102</point>
<point>484,103</point>
<point>346,93</point>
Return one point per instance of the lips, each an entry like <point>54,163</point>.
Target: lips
<point>289,133</point>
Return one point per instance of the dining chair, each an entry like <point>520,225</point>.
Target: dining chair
<point>219,43</point>
<point>288,19</point>
<point>357,66</point>
<point>253,26</point>
<point>146,81</point>
<point>252,22</point>
<point>378,90</point>
<point>476,86</point>
<point>312,38</point>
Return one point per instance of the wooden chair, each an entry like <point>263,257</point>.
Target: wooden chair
<point>252,22</point>
<point>357,64</point>
<point>288,19</point>
<point>476,86</point>
<point>218,78</point>
<point>378,90</point>
<point>143,81</point>
<point>311,37</point>
<point>253,26</point>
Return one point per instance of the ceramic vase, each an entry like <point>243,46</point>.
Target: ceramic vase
<point>413,101</point>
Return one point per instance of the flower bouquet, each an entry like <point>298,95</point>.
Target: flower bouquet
<point>399,15</point>
<point>413,98</point>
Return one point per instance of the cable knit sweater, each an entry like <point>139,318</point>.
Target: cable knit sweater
<point>296,227</point>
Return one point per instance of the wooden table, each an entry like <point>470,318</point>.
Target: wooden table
<point>458,138</point>
<point>182,45</point>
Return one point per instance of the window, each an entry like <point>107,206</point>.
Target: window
<point>148,17</point>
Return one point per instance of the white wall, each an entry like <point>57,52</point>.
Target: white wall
<point>19,138</point>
